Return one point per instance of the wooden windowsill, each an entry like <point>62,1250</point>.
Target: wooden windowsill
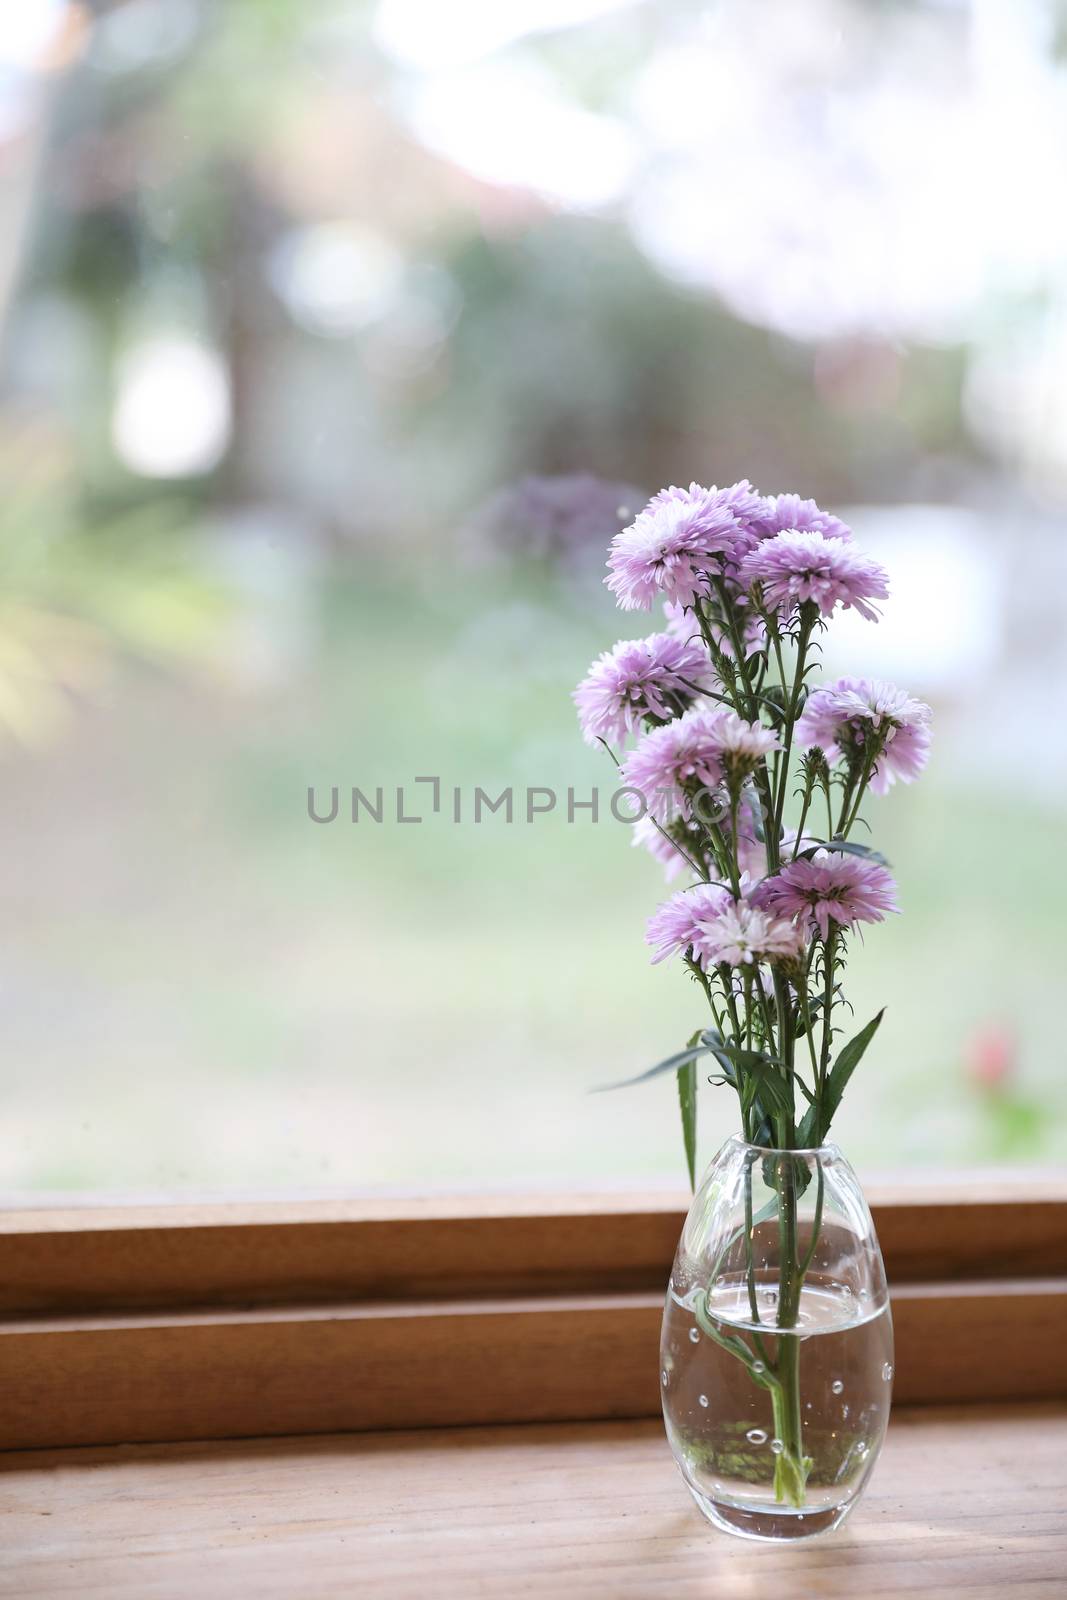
<point>969,1500</point>
<point>172,1323</point>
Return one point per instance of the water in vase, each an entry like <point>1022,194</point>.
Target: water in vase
<point>724,1426</point>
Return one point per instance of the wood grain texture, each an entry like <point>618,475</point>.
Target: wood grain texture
<point>964,1502</point>
<point>308,1370</point>
<point>316,1252</point>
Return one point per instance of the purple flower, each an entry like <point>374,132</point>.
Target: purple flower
<point>742,934</point>
<point>748,506</point>
<point>639,678</point>
<point>842,717</point>
<point>719,930</point>
<point>830,887</point>
<point>681,536</point>
<point>794,567</point>
<point>677,924</point>
<point>682,752</point>
<point>785,511</point>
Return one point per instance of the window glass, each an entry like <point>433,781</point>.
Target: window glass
<point>337,341</point>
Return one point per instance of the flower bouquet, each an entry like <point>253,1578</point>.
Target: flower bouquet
<point>748,779</point>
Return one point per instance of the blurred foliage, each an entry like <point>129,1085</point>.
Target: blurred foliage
<point>74,599</point>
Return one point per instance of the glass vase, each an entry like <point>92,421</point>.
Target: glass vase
<point>776,1358</point>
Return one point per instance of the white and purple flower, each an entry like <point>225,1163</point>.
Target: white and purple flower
<point>844,716</point>
<point>743,745</point>
<point>718,930</point>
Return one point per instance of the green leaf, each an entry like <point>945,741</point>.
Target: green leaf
<point>671,1064</point>
<point>687,1100</point>
<point>848,847</point>
<point>751,1068</point>
<point>817,1119</point>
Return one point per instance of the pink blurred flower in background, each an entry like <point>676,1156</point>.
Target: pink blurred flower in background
<point>991,1055</point>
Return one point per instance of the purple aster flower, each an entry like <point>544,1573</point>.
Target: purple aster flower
<point>682,752</point>
<point>785,511</point>
<point>639,678</point>
<point>830,887</point>
<point>748,506</point>
<point>681,536</point>
<point>719,930</point>
<point>677,925</point>
<point>742,934</point>
<point>843,716</point>
<point>794,567</point>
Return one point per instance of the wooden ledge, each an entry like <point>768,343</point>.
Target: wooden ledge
<point>306,1369</point>
<point>966,1501</point>
<point>60,1261</point>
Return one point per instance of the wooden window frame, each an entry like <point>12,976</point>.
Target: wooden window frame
<point>148,1323</point>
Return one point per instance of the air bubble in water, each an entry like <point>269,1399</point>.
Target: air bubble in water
<point>665,1377</point>
<point>887,1372</point>
<point>703,1399</point>
<point>756,1436</point>
<point>758,1368</point>
<point>694,1335</point>
<point>837,1386</point>
<point>777,1446</point>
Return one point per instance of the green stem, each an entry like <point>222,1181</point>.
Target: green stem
<point>816,1224</point>
<point>790,720</point>
<point>853,799</point>
<point>750,1273</point>
<point>827,1035</point>
<point>791,1466</point>
<point>803,819</point>
<point>735,880</point>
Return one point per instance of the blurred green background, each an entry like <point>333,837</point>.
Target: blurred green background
<point>335,338</point>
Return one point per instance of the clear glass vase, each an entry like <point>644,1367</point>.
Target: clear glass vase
<point>776,1358</point>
